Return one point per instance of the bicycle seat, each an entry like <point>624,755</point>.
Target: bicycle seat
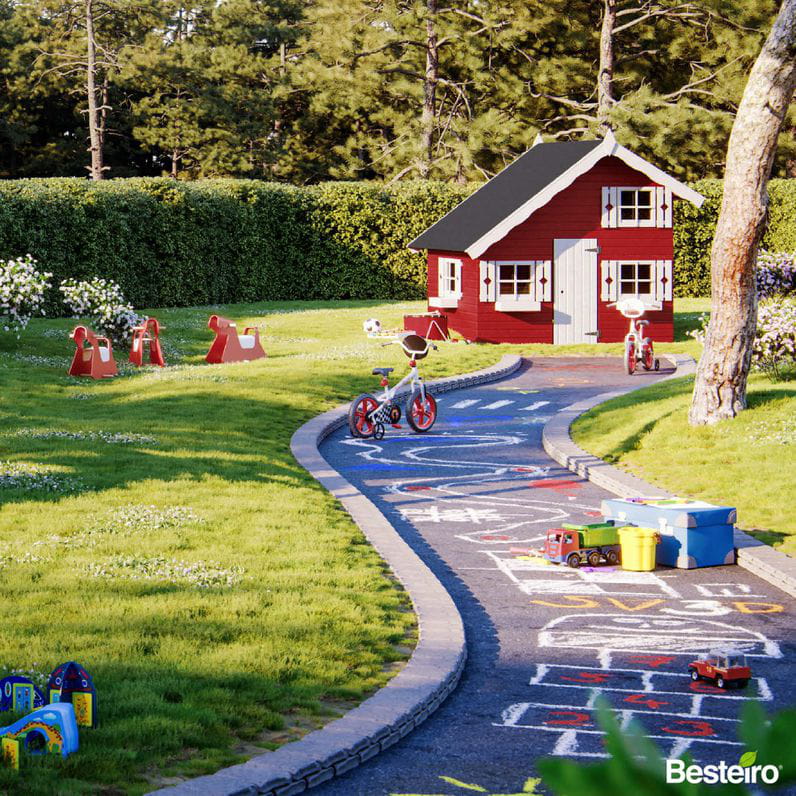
<point>415,346</point>
<point>382,371</point>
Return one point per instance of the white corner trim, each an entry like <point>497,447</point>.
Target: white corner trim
<point>607,148</point>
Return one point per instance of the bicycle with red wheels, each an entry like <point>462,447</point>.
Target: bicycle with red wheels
<point>638,347</point>
<point>370,414</point>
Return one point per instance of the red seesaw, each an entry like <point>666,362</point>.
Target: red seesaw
<point>231,347</point>
<point>147,332</point>
<point>91,358</point>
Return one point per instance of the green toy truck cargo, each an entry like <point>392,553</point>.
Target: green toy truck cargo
<point>575,545</point>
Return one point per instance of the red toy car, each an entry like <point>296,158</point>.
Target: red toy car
<point>724,669</point>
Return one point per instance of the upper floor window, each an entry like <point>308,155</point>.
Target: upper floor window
<point>643,206</point>
<point>636,207</point>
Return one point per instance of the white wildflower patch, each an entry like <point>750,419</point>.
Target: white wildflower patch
<point>357,351</point>
<point>82,396</point>
<point>22,289</point>
<point>159,569</point>
<point>27,557</point>
<point>108,437</point>
<point>40,361</point>
<point>24,475</point>
<point>187,373</point>
<point>134,518</point>
<point>779,431</point>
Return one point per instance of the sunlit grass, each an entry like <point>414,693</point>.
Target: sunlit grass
<point>192,677</point>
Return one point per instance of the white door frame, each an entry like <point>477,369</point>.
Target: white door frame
<point>575,290</point>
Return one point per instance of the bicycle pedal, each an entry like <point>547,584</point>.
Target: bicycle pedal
<point>396,425</point>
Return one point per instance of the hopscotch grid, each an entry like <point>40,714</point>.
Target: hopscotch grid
<point>603,732</point>
<point>758,698</point>
<point>623,710</point>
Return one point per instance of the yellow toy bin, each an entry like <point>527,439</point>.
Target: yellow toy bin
<point>638,548</point>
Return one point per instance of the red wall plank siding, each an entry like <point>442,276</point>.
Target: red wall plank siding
<point>576,212</point>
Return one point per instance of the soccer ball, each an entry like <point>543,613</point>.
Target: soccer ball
<point>372,326</point>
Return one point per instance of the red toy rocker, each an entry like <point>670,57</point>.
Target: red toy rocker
<point>91,358</point>
<point>228,346</point>
<point>140,337</point>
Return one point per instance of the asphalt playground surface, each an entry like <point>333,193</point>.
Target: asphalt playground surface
<point>473,497</point>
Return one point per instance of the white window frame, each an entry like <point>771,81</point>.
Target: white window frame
<point>650,299</point>
<point>449,269</point>
<point>517,302</point>
<point>636,222</point>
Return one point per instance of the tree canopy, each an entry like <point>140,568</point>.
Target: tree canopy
<point>305,91</point>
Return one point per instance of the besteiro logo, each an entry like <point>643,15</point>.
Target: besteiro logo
<point>745,771</point>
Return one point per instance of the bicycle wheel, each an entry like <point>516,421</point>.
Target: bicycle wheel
<point>421,414</point>
<point>359,423</point>
<point>648,358</point>
<point>630,358</point>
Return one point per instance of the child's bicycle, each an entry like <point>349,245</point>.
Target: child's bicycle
<point>638,348</point>
<point>369,414</point>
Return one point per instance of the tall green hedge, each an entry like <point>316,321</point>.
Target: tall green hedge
<point>694,228</point>
<point>174,243</point>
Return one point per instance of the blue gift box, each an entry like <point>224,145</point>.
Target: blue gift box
<point>693,533</point>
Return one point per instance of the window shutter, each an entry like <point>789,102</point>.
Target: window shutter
<point>663,280</point>
<point>486,280</point>
<point>663,207</point>
<point>458,267</point>
<point>609,284</point>
<point>441,276</point>
<point>544,289</point>
<point>610,208</point>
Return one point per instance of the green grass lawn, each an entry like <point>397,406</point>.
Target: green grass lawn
<point>748,462</point>
<point>284,617</point>
<point>171,544</point>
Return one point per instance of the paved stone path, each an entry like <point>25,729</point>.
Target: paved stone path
<point>543,641</point>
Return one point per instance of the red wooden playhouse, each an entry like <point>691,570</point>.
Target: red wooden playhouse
<point>538,253</point>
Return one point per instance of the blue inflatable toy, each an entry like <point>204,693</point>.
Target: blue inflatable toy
<point>51,729</point>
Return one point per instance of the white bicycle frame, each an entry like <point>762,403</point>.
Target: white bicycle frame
<point>389,393</point>
<point>633,309</point>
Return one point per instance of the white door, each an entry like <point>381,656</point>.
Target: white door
<point>575,290</point>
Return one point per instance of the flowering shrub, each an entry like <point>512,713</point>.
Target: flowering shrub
<point>775,340</point>
<point>103,301</point>
<point>22,290</point>
<point>776,274</point>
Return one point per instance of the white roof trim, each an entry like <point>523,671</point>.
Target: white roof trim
<point>607,148</point>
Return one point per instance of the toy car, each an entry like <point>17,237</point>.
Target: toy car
<point>724,669</point>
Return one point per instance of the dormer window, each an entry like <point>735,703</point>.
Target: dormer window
<point>636,207</point>
<point>631,206</point>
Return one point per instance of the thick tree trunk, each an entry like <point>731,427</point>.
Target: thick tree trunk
<point>605,76</point>
<point>96,169</point>
<point>431,78</point>
<point>720,388</point>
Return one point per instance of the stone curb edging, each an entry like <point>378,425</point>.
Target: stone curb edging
<point>408,698</point>
<point>767,563</point>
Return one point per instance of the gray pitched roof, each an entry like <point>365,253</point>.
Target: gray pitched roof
<point>505,192</point>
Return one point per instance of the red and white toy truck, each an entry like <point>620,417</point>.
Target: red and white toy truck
<point>725,668</point>
<point>574,545</point>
